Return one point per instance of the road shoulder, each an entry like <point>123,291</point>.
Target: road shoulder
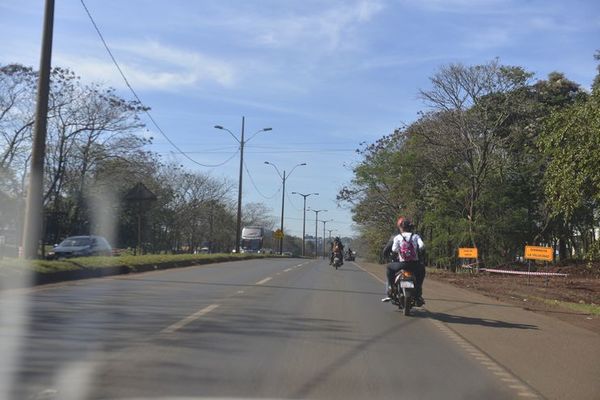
<point>557,359</point>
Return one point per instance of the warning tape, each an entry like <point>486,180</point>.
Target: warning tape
<point>505,271</point>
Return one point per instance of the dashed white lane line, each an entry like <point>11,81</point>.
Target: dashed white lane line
<point>190,318</point>
<point>287,269</point>
<point>240,292</point>
<point>527,394</point>
<point>267,279</point>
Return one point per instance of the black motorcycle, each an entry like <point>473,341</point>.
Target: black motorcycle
<point>350,256</point>
<point>403,292</point>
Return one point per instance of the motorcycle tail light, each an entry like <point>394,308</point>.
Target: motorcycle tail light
<point>407,274</point>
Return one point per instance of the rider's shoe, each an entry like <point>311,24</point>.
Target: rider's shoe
<point>419,302</point>
<point>386,299</point>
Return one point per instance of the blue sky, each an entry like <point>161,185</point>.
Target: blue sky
<point>325,75</point>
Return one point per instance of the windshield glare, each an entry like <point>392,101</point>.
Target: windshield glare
<point>75,242</point>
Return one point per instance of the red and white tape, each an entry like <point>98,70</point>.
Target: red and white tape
<point>505,271</point>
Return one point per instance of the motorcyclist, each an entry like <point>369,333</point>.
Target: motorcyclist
<point>417,266</point>
<point>349,254</point>
<point>336,247</point>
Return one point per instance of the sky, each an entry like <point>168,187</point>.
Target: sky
<point>324,75</point>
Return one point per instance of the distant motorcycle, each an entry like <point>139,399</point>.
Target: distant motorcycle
<point>350,256</point>
<point>403,291</point>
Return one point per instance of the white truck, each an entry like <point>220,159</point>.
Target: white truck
<point>252,239</point>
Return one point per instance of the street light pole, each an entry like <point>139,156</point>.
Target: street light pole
<point>242,142</point>
<point>324,223</point>
<point>34,212</point>
<point>283,179</point>
<point>317,227</point>
<point>330,230</point>
<point>238,224</point>
<point>282,213</point>
<point>304,219</point>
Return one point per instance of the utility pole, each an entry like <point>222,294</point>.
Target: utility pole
<point>304,219</point>
<point>283,179</point>
<point>242,142</point>
<point>282,214</point>
<point>238,224</point>
<point>317,227</point>
<point>34,211</point>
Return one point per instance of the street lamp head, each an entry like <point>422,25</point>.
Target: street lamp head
<point>218,127</point>
<point>316,194</point>
<point>267,129</point>
<point>303,163</point>
<point>266,162</point>
<point>295,193</point>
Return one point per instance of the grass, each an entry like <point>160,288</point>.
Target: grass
<point>592,309</point>
<point>13,265</point>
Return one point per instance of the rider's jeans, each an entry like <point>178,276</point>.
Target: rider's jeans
<point>415,267</point>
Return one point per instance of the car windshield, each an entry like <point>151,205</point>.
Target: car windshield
<point>76,242</point>
<point>174,174</point>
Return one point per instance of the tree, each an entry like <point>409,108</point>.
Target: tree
<point>571,141</point>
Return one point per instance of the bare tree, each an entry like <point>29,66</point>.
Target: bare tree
<point>471,106</point>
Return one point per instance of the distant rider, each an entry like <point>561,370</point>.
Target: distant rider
<point>336,247</point>
<point>416,266</point>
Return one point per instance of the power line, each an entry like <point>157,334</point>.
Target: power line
<point>218,151</point>
<point>256,187</point>
<point>292,202</point>
<point>146,111</point>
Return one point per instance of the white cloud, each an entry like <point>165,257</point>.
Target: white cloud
<point>488,38</point>
<point>152,65</point>
<point>471,6</point>
<point>330,29</point>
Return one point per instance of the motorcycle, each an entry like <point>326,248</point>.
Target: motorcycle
<point>337,260</point>
<point>350,256</point>
<point>403,292</point>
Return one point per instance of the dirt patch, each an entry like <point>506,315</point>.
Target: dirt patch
<point>570,298</point>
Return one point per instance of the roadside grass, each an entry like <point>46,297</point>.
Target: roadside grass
<point>592,309</point>
<point>132,263</point>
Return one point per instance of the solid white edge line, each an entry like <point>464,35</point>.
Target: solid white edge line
<point>190,318</point>
<point>458,338</point>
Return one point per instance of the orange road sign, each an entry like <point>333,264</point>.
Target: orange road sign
<point>278,234</point>
<point>539,253</point>
<point>467,252</point>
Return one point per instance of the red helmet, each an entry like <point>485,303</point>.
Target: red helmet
<point>399,222</point>
<point>404,223</point>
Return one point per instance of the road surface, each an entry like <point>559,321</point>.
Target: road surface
<point>275,328</point>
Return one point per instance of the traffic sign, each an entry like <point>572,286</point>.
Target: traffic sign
<point>467,252</point>
<point>539,253</point>
<point>278,234</point>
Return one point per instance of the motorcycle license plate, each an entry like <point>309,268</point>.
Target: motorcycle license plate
<point>407,285</point>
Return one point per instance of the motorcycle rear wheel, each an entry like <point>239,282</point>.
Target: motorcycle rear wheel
<point>406,305</point>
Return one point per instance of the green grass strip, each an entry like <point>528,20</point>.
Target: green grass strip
<point>592,309</point>
<point>12,265</point>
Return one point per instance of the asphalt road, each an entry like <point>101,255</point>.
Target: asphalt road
<point>277,328</point>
